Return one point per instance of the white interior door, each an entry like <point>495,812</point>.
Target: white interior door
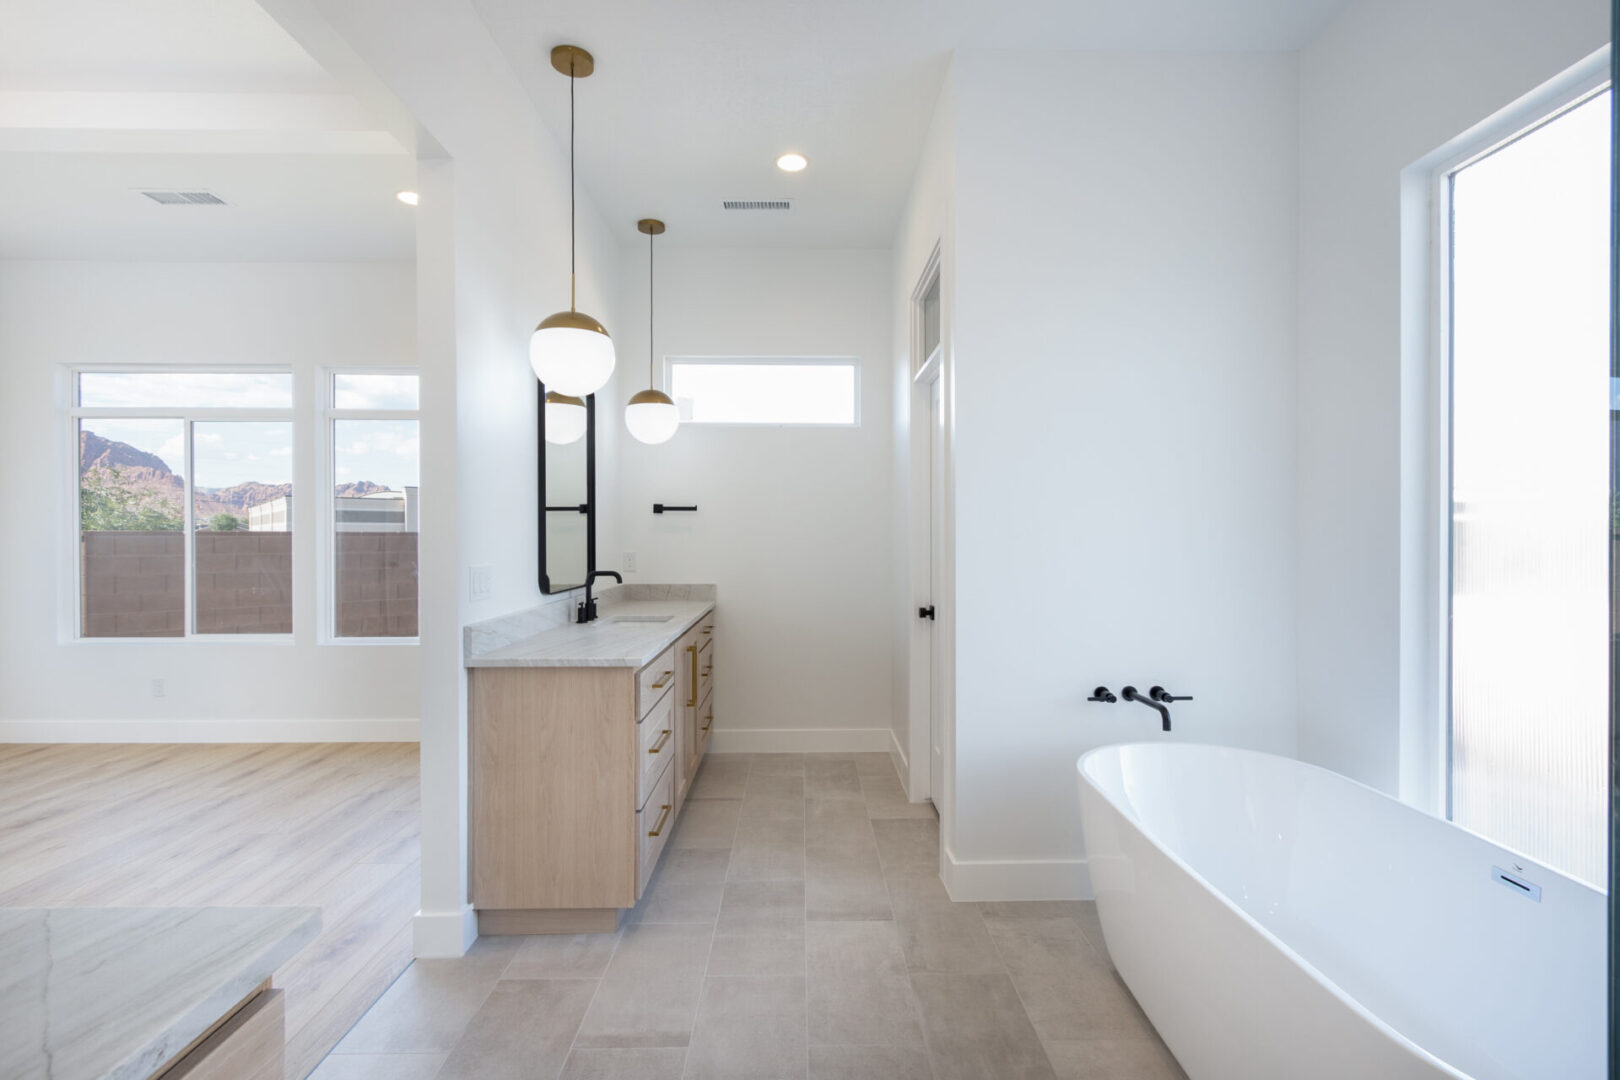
<point>936,547</point>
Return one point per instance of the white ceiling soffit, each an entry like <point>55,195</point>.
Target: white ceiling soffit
<point>278,207</point>
<point>692,102</point>
<point>102,99</point>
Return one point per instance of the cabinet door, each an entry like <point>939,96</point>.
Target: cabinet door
<point>686,708</point>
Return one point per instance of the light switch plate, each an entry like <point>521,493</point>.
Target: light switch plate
<point>479,582</point>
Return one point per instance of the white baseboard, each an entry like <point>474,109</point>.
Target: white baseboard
<point>208,731</point>
<point>1016,879</point>
<point>801,740</point>
<point>444,934</point>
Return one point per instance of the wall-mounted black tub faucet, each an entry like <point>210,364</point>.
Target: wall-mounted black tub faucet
<point>1152,701</point>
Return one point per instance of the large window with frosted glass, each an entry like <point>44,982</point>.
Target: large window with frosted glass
<point>1532,525</point>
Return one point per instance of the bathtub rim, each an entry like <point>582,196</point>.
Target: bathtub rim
<point>1541,867</point>
<point>1311,970</point>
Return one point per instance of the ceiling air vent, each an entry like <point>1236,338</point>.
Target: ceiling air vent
<point>185,198</point>
<point>757,204</point>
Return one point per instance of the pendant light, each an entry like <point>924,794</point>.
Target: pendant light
<point>570,351</point>
<point>565,418</point>
<point>650,415</point>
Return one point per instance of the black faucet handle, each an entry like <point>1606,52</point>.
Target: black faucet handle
<point>1159,693</point>
<point>1104,695</point>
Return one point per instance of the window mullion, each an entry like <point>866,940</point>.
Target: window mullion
<point>188,512</point>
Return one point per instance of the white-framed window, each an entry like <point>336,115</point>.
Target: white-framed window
<point>926,317</point>
<point>767,391</point>
<point>1522,303</point>
<point>177,475</point>
<point>367,544</point>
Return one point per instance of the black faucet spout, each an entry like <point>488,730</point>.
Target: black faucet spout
<point>586,612</point>
<point>1131,693</point>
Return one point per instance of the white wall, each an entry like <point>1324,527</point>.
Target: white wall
<point>492,257</point>
<point>1383,85</point>
<point>1124,439</point>
<point>302,316</point>
<point>793,523</point>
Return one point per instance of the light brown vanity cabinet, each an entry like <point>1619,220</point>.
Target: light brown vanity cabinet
<point>576,776</point>
<point>696,649</point>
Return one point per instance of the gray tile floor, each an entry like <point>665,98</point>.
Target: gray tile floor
<point>796,927</point>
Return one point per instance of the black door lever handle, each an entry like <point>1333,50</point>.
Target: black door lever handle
<point>926,612</point>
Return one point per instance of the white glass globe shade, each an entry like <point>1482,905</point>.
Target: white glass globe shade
<point>565,419</point>
<point>571,354</point>
<point>651,417</point>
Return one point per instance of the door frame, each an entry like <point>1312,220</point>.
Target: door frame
<point>930,682</point>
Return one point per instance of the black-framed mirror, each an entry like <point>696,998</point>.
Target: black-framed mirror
<point>567,471</point>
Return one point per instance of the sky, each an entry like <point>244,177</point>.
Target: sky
<point>229,452</point>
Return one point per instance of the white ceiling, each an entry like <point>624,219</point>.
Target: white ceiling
<point>175,45</point>
<point>99,98</point>
<point>693,101</point>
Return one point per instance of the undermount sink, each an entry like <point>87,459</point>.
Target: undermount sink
<point>640,618</point>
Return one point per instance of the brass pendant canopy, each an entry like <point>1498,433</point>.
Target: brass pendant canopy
<point>573,61</point>
<point>650,226</point>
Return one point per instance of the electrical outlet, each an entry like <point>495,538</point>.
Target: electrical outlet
<point>629,562</point>
<point>157,688</point>
<point>478,582</point>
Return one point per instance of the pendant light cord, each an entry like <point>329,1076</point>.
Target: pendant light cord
<point>650,380</point>
<point>572,243</point>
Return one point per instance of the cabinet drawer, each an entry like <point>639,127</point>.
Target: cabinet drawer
<point>653,825</point>
<point>657,744</point>
<point>654,680</point>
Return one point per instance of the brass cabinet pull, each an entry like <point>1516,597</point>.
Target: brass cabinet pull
<point>708,629</point>
<point>658,828</point>
<point>710,724</point>
<point>707,670</point>
<point>663,737</point>
<point>694,651</point>
<point>663,679</point>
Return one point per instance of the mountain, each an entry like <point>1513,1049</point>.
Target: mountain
<point>98,453</point>
<point>149,473</point>
<point>238,497</point>
<point>136,470</point>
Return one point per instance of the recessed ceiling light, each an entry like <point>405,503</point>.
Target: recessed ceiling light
<point>409,198</point>
<point>792,162</point>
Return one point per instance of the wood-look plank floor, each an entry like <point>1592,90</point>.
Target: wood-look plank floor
<point>329,825</point>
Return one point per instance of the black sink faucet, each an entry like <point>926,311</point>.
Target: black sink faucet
<point>586,612</point>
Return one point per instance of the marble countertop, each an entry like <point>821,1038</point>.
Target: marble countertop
<point>115,993</point>
<point>623,635</point>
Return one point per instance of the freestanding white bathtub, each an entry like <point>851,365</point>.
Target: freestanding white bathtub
<point>1277,921</point>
